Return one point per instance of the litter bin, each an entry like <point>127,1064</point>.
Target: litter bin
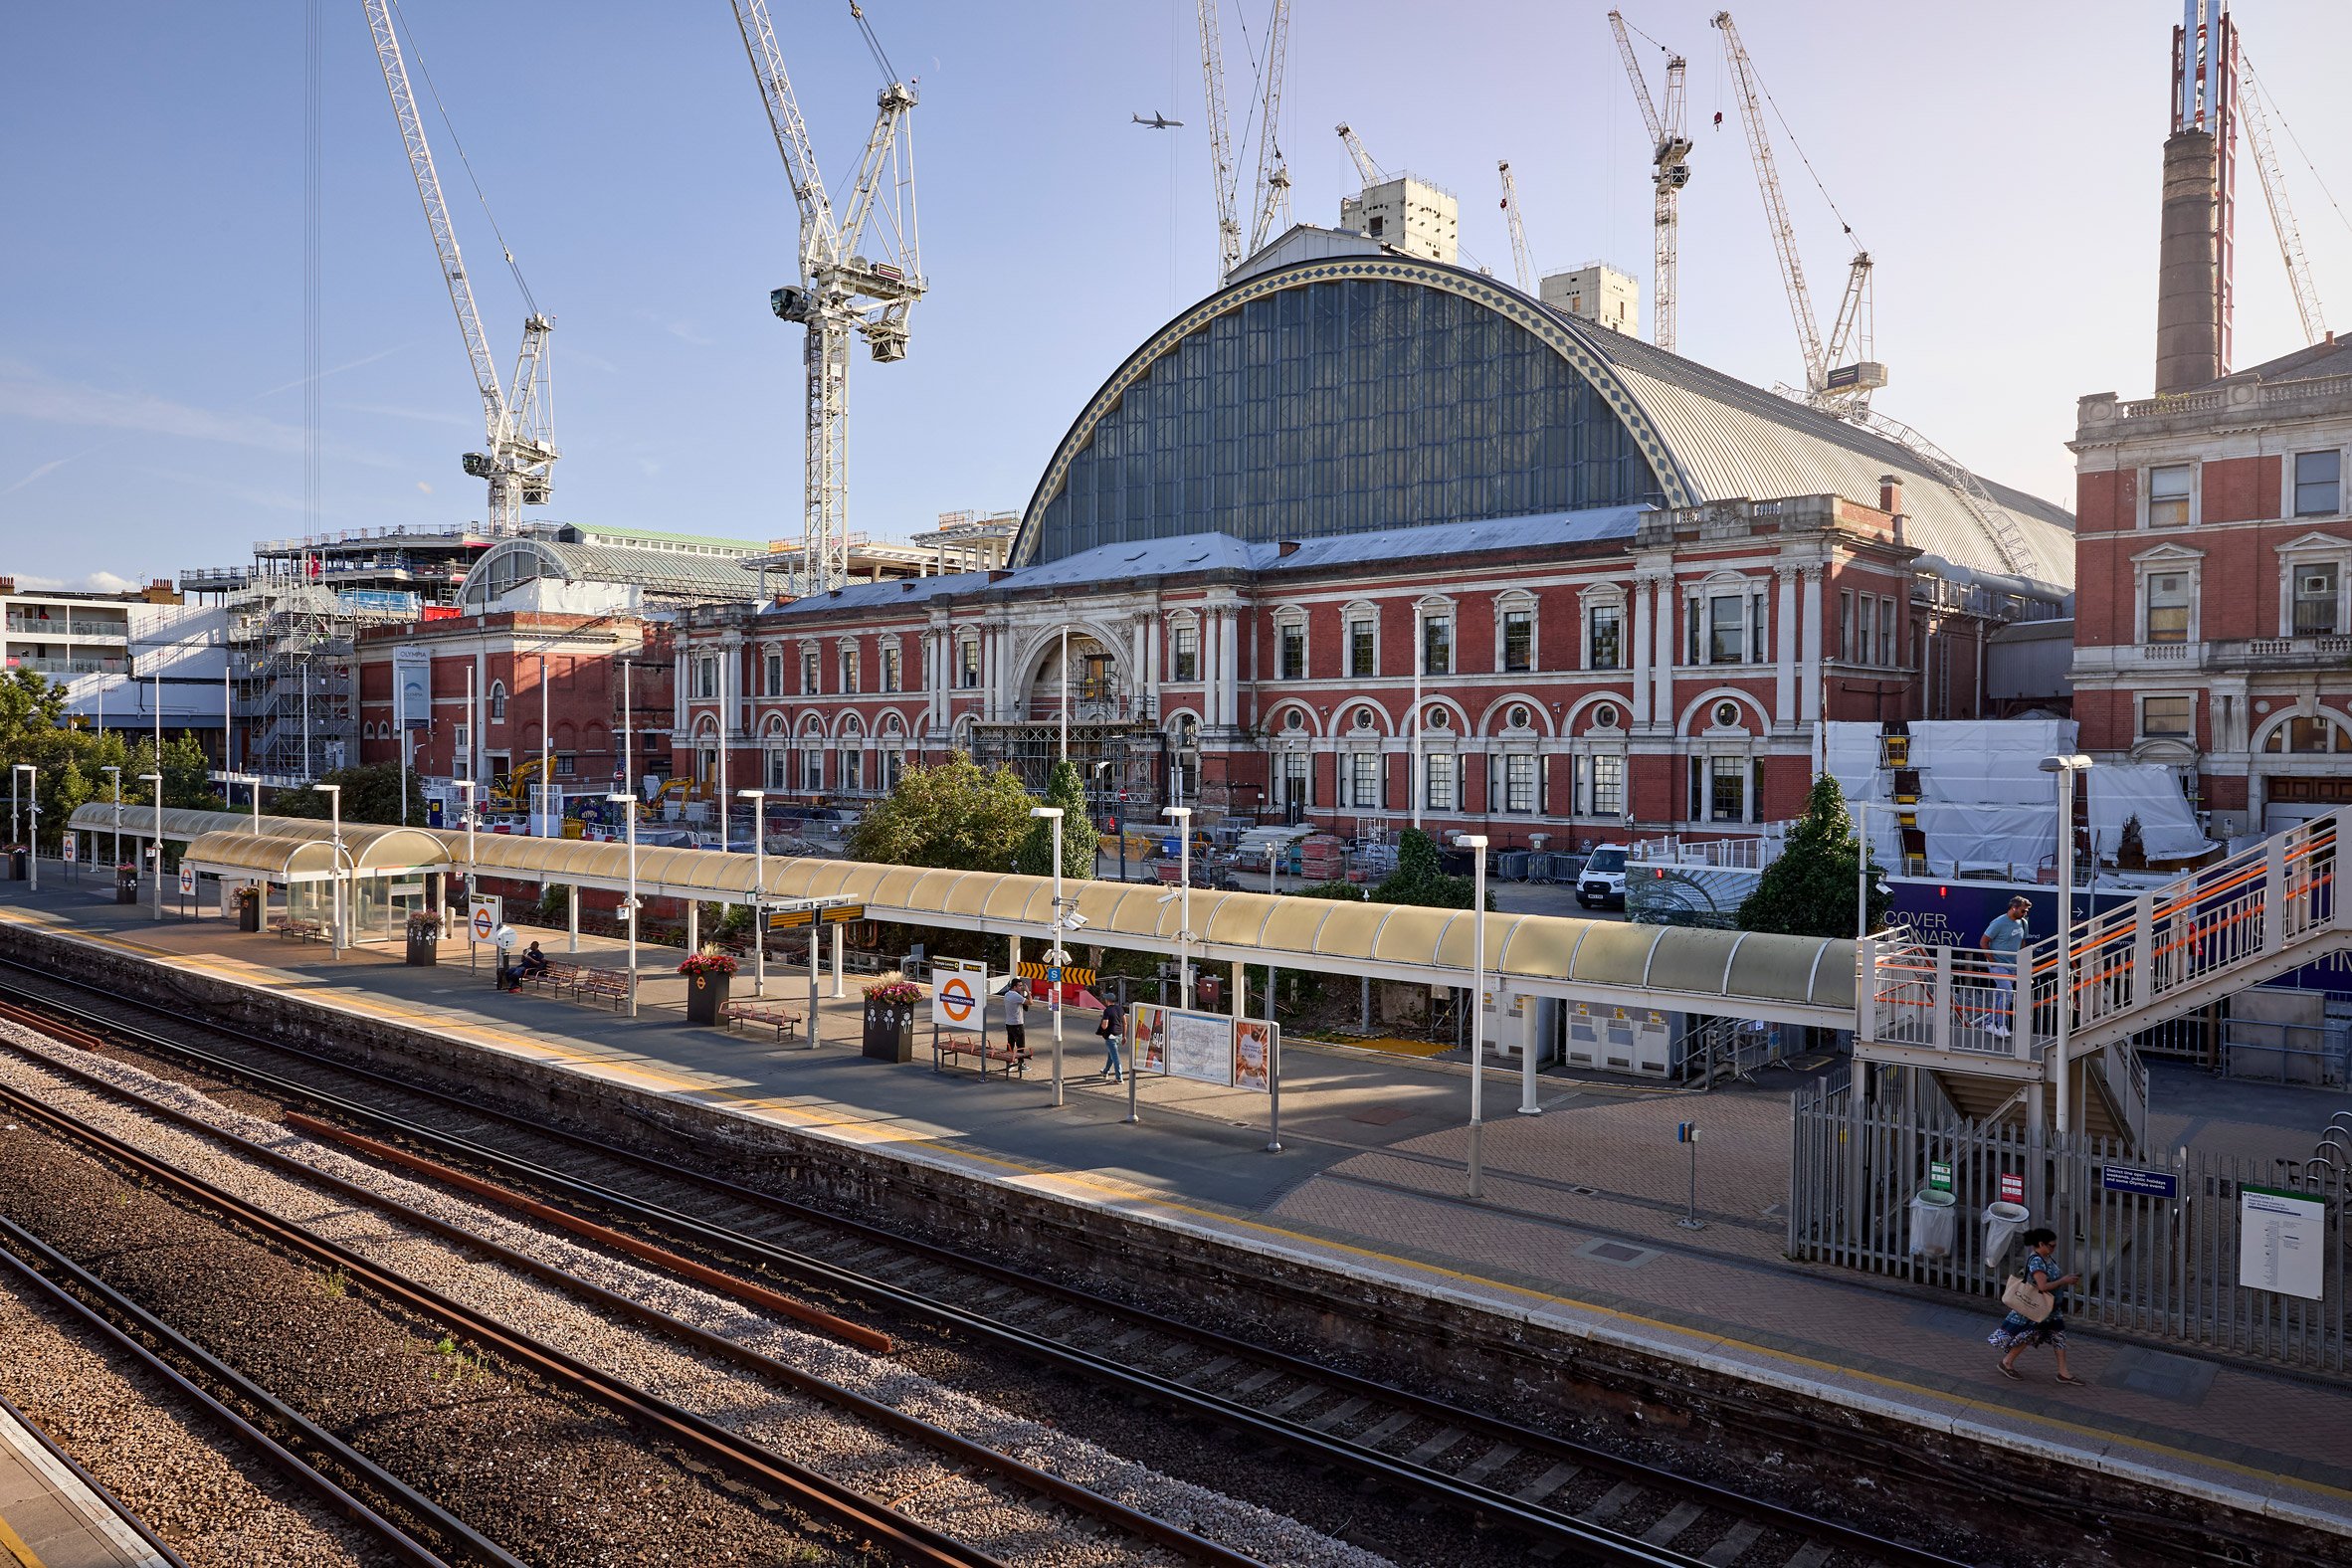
<point>126,884</point>
<point>424,940</point>
<point>19,859</point>
<point>1935,1223</point>
<point>2002,1221</point>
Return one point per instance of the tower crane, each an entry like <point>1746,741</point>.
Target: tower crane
<point>2283,215</point>
<point>1521,263</point>
<point>1669,162</point>
<point>520,431</point>
<point>1274,176</point>
<point>1270,194</point>
<point>1371,173</point>
<point>1831,381</point>
<point>840,289</point>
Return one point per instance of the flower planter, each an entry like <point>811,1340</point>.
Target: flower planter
<point>126,884</point>
<point>249,914</point>
<point>889,1031</point>
<point>706,998</point>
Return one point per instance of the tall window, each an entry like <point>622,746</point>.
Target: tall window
<point>1290,650</point>
<point>889,664</point>
<point>1726,628</point>
<point>1719,789</point>
<point>1605,638</point>
<point>1518,641</point>
<point>967,663</point>
<point>2166,717</point>
<point>1363,771</point>
<point>1869,628</point>
<point>852,771</point>
<point>2168,496</point>
<point>2168,607</point>
<point>771,668</point>
<point>1886,631</point>
<point>497,700</point>
<point>1362,660</point>
<point>2318,483</point>
<point>1185,655</point>
<point>1295,789</point>
<point>812,769</point>
<point>848,667</point>
<point>1437,644</point>
<point>779,769</point>
<point>1607,795</point>
<point>1518,783</point>
<point>1438,791</point>
<point>1845,625</point>
<point>2316,598</point>
<point>807,672</point>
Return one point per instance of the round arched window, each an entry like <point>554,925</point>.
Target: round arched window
<point>1520,718</point>
<point>1726,714</point>
<point>1604,717</point>
<point>1439,718</point>
<point>1293,721</point>
<point>1363,719</point>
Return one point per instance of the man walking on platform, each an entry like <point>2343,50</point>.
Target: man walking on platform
<point>1015,1017</point>
<point>1114,1025</point>
<point>2003,938</point>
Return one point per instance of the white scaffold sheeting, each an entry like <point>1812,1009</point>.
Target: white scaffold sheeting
<point>1851,750</point>
<point>2148,791</point>
<point>1984,805</point>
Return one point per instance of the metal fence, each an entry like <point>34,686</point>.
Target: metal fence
<point>2164,1246</point>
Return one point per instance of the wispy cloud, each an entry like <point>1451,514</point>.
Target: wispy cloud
<point>93,582</point>
<point>423,416</point>
<point>254,495</point>
<point>685,331</point>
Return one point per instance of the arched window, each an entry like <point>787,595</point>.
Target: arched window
<point>2319,734</point>
<point>1515,632</point>
<point>497,702</point>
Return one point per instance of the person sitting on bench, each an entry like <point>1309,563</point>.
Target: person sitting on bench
<point>532,963</point>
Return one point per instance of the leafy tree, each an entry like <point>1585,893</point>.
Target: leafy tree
<point>370,794</point>
<point>952,817</point>
<point>1419,879</point>
<point>1809,890</point>
<point>1066,789</point>
<point>2131,850</point>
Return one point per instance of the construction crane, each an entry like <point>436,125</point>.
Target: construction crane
<point>1371,173</point>
<point>840,289</point>
<point>2283,215</point>
<point>520,432</point>
<point>1521,262</point>
<point>1833,380</point>
<point>1670,165</point>
<point>1271,193</point>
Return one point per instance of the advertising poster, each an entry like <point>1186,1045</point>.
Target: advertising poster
<point>1147,1037</point>
<point>411,668</point>
<point>1199,1045</point>
<point>1254,1045</point>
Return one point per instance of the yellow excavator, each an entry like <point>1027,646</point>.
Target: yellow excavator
<point>512,791</point>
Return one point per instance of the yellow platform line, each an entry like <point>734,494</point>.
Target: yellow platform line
<point>1081,1181</point>
<point>17,1548</point>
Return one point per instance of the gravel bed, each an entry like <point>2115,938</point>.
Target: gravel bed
<point>188,1480</point>
<point>554,1481</point>
<point>1007,1522</point>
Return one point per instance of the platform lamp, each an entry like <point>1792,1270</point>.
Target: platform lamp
<point>2065,767</point>
<point>628,802</point>
<point>118,772</point>
<point>1475,843</point>
<point>1050,816</point>
<point>759,896</point>
<point>466,788</point>
<point>33,810</point>
<point>335,886</point>
<point>1182,817</point>
<point>156,779</point>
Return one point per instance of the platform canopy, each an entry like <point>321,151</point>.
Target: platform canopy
<point>292,858</point>
<point>1795,979</point>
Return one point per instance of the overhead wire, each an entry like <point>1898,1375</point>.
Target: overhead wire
<point>414,54</point>
<point>2287,125</point>
<point>1797,149</point>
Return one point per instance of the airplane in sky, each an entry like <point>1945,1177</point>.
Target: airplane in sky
<point>1158,122</point>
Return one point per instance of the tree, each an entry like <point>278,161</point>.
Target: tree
<point>2131,850</point>
<point>1063,788</point>
<point>370,794</point>
<point>953,817</point>
<point>1419,879</point>
<point>1809,890</point>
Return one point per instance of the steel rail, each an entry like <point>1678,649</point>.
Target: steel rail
<point>98,1490</point>
<point>912,1541</point>
<point>961,1449</point>
<point>73,1288</point>
<point>1486,1501</point>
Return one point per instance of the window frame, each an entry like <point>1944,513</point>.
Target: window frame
<point>1517,609</point>
<point>2297,483</point>
<point>1595,607</point>
<point>1436,634</point>
<point>2185,734</point>
<point>2186,500</point>
<point>1184,653</point>
<point>1359,628</point>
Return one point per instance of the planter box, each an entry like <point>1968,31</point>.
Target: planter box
<point>126,888</point>
<point>249,914</point>
<point>706,998</point>
<point>890,1032</point>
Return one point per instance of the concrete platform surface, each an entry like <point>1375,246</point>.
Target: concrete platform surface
<point>1577,1227</point>
<point>50,1517</point>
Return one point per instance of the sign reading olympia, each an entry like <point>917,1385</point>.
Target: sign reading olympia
<point>959,993</point>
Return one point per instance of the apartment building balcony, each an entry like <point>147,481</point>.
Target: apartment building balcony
<point>59,628</point>
<point>72,666</point>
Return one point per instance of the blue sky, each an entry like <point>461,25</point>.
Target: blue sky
<point>2002,165</point>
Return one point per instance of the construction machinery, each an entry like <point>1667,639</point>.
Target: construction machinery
<point>1271,198</point>
<point>2249,101</point>
<point>1840,373</point>
<point>1371,173</point>
<point>520,461</point>
<point>1670,166</point>
<point>1521,263</point>
<point>842,288</point>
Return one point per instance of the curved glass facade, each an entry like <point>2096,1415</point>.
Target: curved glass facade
<point>1344,407</point>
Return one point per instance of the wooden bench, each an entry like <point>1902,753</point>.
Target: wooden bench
<point>783,1020</point>
<point>947,1045</point>
<point>601,985</point>
<point>304,931</point>
<point>560,977</point>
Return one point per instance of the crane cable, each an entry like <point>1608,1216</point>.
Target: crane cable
<point>2287,125</point>
<point>464,162</point>
<point>1797,149</point>
<point>872,43</point>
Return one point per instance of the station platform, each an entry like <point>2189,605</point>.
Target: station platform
<point>52,1517</point>
<point>1577,1227</point>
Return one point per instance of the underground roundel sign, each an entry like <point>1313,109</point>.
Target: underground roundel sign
<point>959,993</point>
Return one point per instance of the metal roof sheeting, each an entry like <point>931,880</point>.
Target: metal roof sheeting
<point>1800,979</point>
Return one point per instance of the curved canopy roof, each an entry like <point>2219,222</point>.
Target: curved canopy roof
<point>1705,435</point>
<point>301,857</point>
<point>1791,978</point>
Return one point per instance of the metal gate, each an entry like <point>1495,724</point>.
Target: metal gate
<point>2157,1242</point>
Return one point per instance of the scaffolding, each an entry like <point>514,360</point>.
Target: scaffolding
<point>294,666</point>
<point>1125,764</point>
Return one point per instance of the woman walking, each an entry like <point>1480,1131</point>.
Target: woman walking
<point>2036,1285</point>
<point>1112,1029</point>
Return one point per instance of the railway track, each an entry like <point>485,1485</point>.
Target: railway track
<point>1566,1500</point>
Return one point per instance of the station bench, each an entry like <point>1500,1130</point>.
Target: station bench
<point>947,1045</point>
<point>301,931</point>
<point>783,1020</point>
<point>562,977</point>
<point>582,983</point>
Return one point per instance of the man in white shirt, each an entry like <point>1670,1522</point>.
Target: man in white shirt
<point>1016,1015</point>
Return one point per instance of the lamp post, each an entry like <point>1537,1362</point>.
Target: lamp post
<point>1050,816</point>
<point>1475,843</point>
<point>2065,767</point>
<point>1182,816</point>
<point>465,789</point>
<point>32,809</point>
<point>156,779</point>
<point>1420,658</point>
<point>1862,871</point>
<point>252,794</point>
<point>118,772</point>
<point>546,828</point>
<point>759,896</point>
<point>628,802</point>
<point>335,886</point>
<point>16,825</point>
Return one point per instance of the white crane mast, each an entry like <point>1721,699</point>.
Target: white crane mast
<point>2283,215</point>
<point>1669,162</point>
<point>1221,165</point>
<point>520,465</point>
<point>1273,177</point>
<point>841,289</point>
<point>1371,173</point>
<point>1776,207</point>
<point>1521,263</point>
